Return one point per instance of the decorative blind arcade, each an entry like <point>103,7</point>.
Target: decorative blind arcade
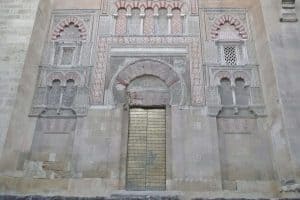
<point>148,22</point>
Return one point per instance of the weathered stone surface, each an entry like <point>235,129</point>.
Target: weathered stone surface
<point>223,72</point>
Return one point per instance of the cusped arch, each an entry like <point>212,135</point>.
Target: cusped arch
<point>74,76</point>
<point>238,25</point>
<point>220,75</point>
<point>148,67</point>
<point>121,4</point>
<point>60,27</point>
<point>55,76</point>
<point>242,75</point>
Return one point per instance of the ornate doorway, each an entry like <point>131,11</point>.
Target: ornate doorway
<point>146,152</point>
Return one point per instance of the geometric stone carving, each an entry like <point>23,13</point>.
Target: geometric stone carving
<point>288,11</point>
<point>194,55</point>
<point>137,79</point>
<point>67,23</point>
<point>231,52</point>
<point>149,22</point>
<point>230,55</point>
<point>239,91</point>
<point>63,82</point>
<point>177,22</point>
<point>226,24</point>
<point>232,21</point>
<point>129,4</point>
<point>62,90</point>
<point>134,16</point>
<point>121,22</point>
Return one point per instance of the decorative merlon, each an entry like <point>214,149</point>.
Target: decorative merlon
<point>288,11</point>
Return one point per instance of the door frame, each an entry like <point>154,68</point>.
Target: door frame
<point>124,144</point>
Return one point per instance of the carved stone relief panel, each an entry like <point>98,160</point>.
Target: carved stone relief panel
<point>226,24</point>
<point>193,55</point>
<point>147,81</point>
<point>224,29</point>
<point>62,91</point>
<point>71,36</point>
<point>237,88</point>
<point>149,17</point>
<point>70,25</point>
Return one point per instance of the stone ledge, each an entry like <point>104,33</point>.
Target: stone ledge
<point>11,197</point>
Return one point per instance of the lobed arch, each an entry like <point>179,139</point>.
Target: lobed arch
<point>63,78</point>
<point>232,77</point>
<point>243,76</point>
<point>121,4</point>
<point>147,67</point>
<point>60,27</point>
<point>220,75</point>
<point>236,23</point>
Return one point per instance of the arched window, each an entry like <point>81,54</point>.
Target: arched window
<point>69,93</point>
<point>134,22</point>
<point>121,22</point>
<point>54,93</point>
<point>225,92</point>
<point>242,93</point>
<point>162,25</point>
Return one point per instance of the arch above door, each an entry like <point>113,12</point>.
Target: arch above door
<point>151,79</point>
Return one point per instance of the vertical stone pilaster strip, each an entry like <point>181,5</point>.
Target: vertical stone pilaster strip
<point>194,7</point>
<point>97,88</point>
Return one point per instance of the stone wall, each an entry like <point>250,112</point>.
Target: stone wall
<point>209,152</point>
<point>284,41</point>
<point>16,23</point>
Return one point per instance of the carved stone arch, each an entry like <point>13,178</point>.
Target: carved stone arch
<point>220,75</point>
<point>60,27</point>
<point>148,67</point>
<point>121,4</point>
<point>228,19</point>
<point>76,77</point>
<point>156,5</point>
<point>135,4</point>
<point>177,5</point>
<point>55,76</point>
<point>148,4</point>
<point>242,75</point>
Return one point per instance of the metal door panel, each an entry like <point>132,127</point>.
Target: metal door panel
<point>146,162</point>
